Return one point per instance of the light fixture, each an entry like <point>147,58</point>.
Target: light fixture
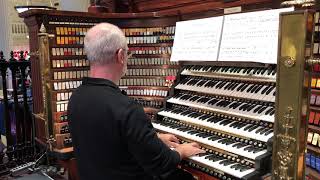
<point>21,9</point>
<point>21,6</point>
<point>302,3</point>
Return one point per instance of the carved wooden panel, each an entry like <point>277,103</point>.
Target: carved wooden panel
<point>192,5</point>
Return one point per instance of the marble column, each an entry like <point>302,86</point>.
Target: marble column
<point>5,27</point>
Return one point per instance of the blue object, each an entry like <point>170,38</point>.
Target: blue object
<point>318,164</point>
<point>313,161</point>
<point>308,159</point>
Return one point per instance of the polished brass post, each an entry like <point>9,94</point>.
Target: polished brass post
<point>45,66</point>
<point>292,102</point>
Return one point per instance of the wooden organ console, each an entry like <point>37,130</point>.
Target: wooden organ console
<point>233,110</point>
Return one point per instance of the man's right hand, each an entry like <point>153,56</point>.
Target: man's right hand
<point>188,149</point>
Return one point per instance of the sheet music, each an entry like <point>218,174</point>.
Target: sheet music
<point>251,36</point>
<point>197,40</point>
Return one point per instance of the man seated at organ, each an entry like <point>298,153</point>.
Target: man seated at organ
<point>112,136</point>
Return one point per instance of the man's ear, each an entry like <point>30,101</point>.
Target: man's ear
<point>121,56</point>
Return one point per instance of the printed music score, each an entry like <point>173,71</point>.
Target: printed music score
<point>238,37</point>
<point>197,40</point>
<point>251,36</point>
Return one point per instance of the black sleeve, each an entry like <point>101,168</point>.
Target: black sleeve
<point>151,153</point>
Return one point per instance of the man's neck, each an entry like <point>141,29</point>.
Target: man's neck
<point>105,72</point>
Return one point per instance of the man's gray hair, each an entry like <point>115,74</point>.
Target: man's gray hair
<point>102,42</point>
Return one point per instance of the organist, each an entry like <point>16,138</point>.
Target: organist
<point>112,137</point>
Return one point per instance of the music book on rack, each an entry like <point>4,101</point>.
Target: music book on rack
<point>250,37</point>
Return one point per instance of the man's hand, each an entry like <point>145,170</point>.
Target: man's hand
<point>188,149</point>
<point>169,139</point>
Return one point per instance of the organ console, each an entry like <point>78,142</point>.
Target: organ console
<point>233,110</point>
<point>229,110</point>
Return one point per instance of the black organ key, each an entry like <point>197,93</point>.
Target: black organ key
<point>178,95</point>
<point>235,166</point>
<point>248,127</point>
<point>264,131</point>
<point>194,98</point>
<point>236,84</point>
<point>229,142</point>
<point>214,119</point>
<point>249,148</point>
<point>260,129</point>
<point>269,111</point>
<point>257,108</point>
<point>269,90</point>
<point>249,70</point>
<point>265,89</point>
<point>234,124</point>
<point>203,99</point>
<point>210,157</point>
<point>220,85</point>
<point>254,88</point>
<point>203,154</point>
<point>184,81</point>
<point>251,87</point>
<point>242,125</point>
<point>241,86</point>
<point>262,109</point>
<point>193,82</point>
<point>213,101</point>
<point>268,132</point>
<point>243,106</point>
<point>235,69</point>
<point>186,112</point>
<point>220,103</point>
<point>258,89</point>
<point>228,84</point>
<point>243,168</point>
<point>214,138</point>
<point>225,162</point>
<point>202,82</point>
<point>251,107</point>
<point>186,97</point>
<point>203,135</point>
<point>263,71</point>
<point>240,145</point>
<point>260,70</point>
<point>209,83</point>
<point>215,83</point>
<point>206,116</point>
<point>184,129</point>
<point>255,150</point>
<point>272,112</point>
<point>193,132</point>
<point>253,128</point>
<point>232,104</point>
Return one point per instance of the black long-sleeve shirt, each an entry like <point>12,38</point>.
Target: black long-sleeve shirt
<point>112,137</point>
